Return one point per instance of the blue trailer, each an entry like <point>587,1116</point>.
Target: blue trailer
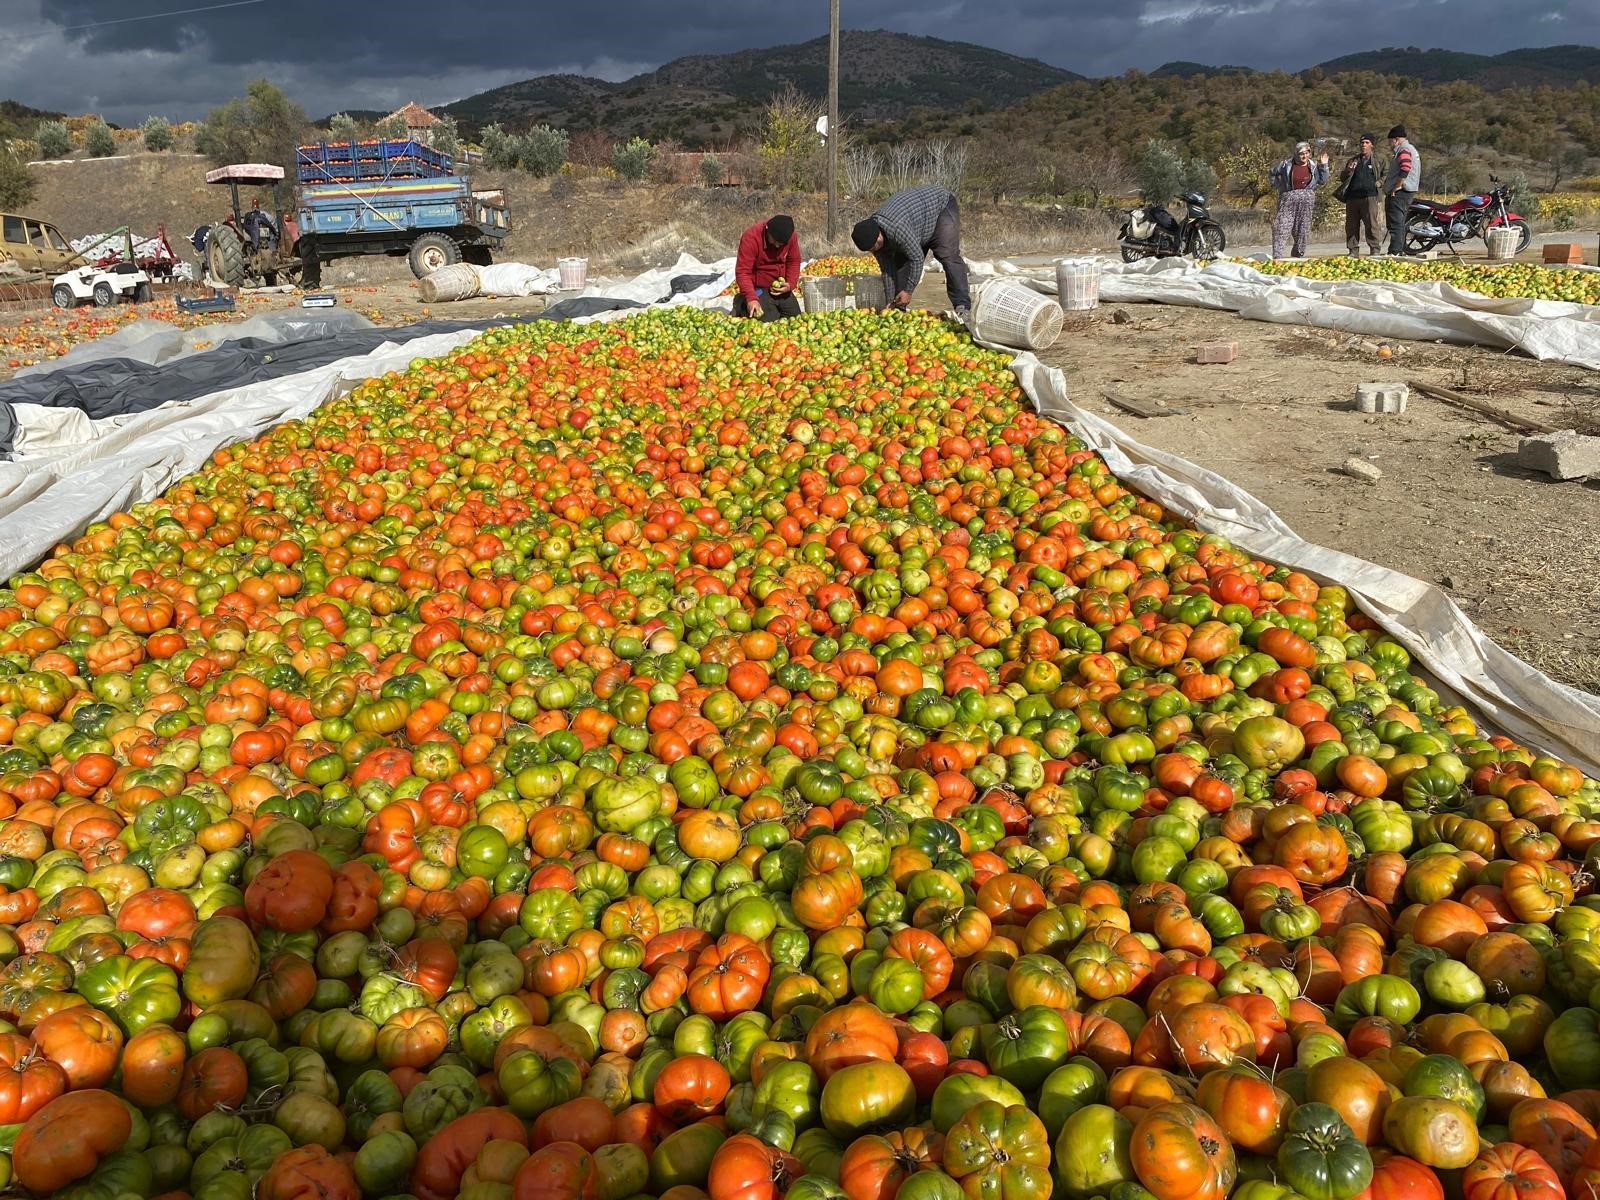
<point>395,198</point>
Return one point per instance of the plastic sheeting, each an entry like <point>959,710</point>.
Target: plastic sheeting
<point>517,279</point>
<point>1550,330</point>
<point>1515,698</point>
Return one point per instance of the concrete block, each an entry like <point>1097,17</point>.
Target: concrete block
<point>1564,455</point>
<point>1218,352</point>
<point>1360,468</point>
<point>1570,253</point>
<point>1382,397</point>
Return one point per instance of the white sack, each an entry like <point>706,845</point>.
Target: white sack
<point>517,279</point>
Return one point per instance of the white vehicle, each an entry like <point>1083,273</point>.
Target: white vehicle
<point>119,281</point>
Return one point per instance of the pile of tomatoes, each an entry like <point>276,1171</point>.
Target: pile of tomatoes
<point>1516,280</point>
<point>697,758</point>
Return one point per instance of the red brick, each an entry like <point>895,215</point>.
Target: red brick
<point>1218,352</point>
<point>1570,253</point>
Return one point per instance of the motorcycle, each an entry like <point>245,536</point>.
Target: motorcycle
<point>1152,232</point>
<point>1431,223</point>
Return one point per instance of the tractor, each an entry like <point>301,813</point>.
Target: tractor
<point>251,245</point>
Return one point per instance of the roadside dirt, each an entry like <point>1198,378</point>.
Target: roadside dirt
<point>1452,506</point>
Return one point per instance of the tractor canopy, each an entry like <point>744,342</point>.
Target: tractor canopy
<point>262,173</point>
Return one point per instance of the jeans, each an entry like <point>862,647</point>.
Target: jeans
<point>773,308</point>
<point>946,248</point>
<point>1395,212</point>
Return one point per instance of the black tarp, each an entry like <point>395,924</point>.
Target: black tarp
<point>112,387</point>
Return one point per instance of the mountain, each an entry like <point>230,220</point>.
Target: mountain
<point>1188,70</point>
<point>1540,66</point>
<point>19,121</point>
<point>882,76</point>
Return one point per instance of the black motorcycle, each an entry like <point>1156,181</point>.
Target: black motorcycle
<point>1152,232</point>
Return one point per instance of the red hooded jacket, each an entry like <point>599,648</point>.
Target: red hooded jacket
<point>759,264</point>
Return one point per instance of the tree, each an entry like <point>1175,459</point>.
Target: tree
<point>1248,168</point>
<point>54,138</point>
<point>711,171</point>
<point>1091,174</point>
<point>157,134</point>
<point>1160,172</point>
<point>16,181</point>
<point>445,137</point>
<point>541,151</point>
<point>98,140</point>
<point>789,145</point>
<point>342,127</point>
<point>631,159</point>
<point>263,126</point>
<point>497,148</point>
<point>1564,162</point>
<point>394,128</point>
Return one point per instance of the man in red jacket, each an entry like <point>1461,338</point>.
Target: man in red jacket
<point>766,271</point>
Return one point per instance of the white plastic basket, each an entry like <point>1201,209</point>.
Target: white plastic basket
<point>1013,314</point>
<point>1502,243</point>
<point>868,291</point>
<point>1078,283</point>
<point>574,273</point>
<point>824,294</point>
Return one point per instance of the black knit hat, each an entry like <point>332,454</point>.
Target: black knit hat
<point>1398,131</point>
<point>1367,137</point>
<point>865,234</point>
<point>780,229</point>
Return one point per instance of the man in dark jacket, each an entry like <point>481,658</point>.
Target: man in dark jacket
<point>1362,211</point>
<point>901,233</point>
<point>767,270</point>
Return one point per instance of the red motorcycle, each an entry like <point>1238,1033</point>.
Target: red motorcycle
<point>1431,223</point>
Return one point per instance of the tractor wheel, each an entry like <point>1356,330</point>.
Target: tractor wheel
<point>478,256</point>
<point>432,251</point>
<point>61,296</point>
<point>225,255</point>
<point>104,297</point>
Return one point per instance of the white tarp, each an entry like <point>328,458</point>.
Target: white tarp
<point>53,498</point>
<point>517,279</point>
<point>521,279</point>
<point>1550,330</point>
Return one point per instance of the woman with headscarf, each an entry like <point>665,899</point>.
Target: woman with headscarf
<point>1297,179</point>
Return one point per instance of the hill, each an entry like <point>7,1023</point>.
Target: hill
<point>1539,66</point>
<point>19,121</point>
<point>706,98</point>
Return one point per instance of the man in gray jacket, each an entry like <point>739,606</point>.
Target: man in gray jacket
<point>906,226</point>
<point>1400,185</point>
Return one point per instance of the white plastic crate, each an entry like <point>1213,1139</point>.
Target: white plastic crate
<point>1502,243</point>
<point>574,273</point>
<point>868,291</point>
<point>1013,314</point>
<point>1078,283</point>
<point>824,294</point>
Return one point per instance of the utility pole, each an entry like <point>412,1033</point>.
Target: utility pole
<point>833,120</point>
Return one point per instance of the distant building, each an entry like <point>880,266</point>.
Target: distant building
<point>419,122</point>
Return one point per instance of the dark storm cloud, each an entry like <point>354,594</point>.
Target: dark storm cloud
<point>333,55</point>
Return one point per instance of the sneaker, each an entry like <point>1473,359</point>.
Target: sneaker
<point>964,315</point>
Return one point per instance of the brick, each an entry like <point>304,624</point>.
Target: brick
<point>1382,397</point>
<point>1570,253</point>
<point>1564,455</point>
<point>1360,468</point>
<point>1218,352</point>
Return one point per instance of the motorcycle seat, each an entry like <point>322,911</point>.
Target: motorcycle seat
<point>1436,205</point>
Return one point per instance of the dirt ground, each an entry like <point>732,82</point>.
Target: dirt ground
<point>1452,507</point>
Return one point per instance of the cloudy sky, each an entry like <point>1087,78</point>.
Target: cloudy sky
<point>103,55</point>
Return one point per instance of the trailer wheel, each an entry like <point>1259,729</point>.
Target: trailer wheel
<point>104,297</point>
<point>143,294</point>
<point>61,296</point>
<point>225,255</point>
<point>478,256</point>
<point>432,251</point>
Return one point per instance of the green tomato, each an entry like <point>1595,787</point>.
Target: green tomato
<point>1321,1158</point>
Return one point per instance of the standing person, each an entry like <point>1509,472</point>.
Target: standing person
<point>767,269</point>
<point>901,233</point>
<point>1400,185</point>
<point>1358,188</point>
<point>1297,179</point>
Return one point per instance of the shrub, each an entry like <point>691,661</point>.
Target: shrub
<point>631,159</point>
<point>342,127</point>
<point>540,152</point>
<point>98,140</point>
<point>157,133</point>
<point>54,138</point>
<point>16,181</point>
<point>711,171</point>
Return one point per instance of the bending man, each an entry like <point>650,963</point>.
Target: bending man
<point>900,234</point>
<point>766,271</point>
